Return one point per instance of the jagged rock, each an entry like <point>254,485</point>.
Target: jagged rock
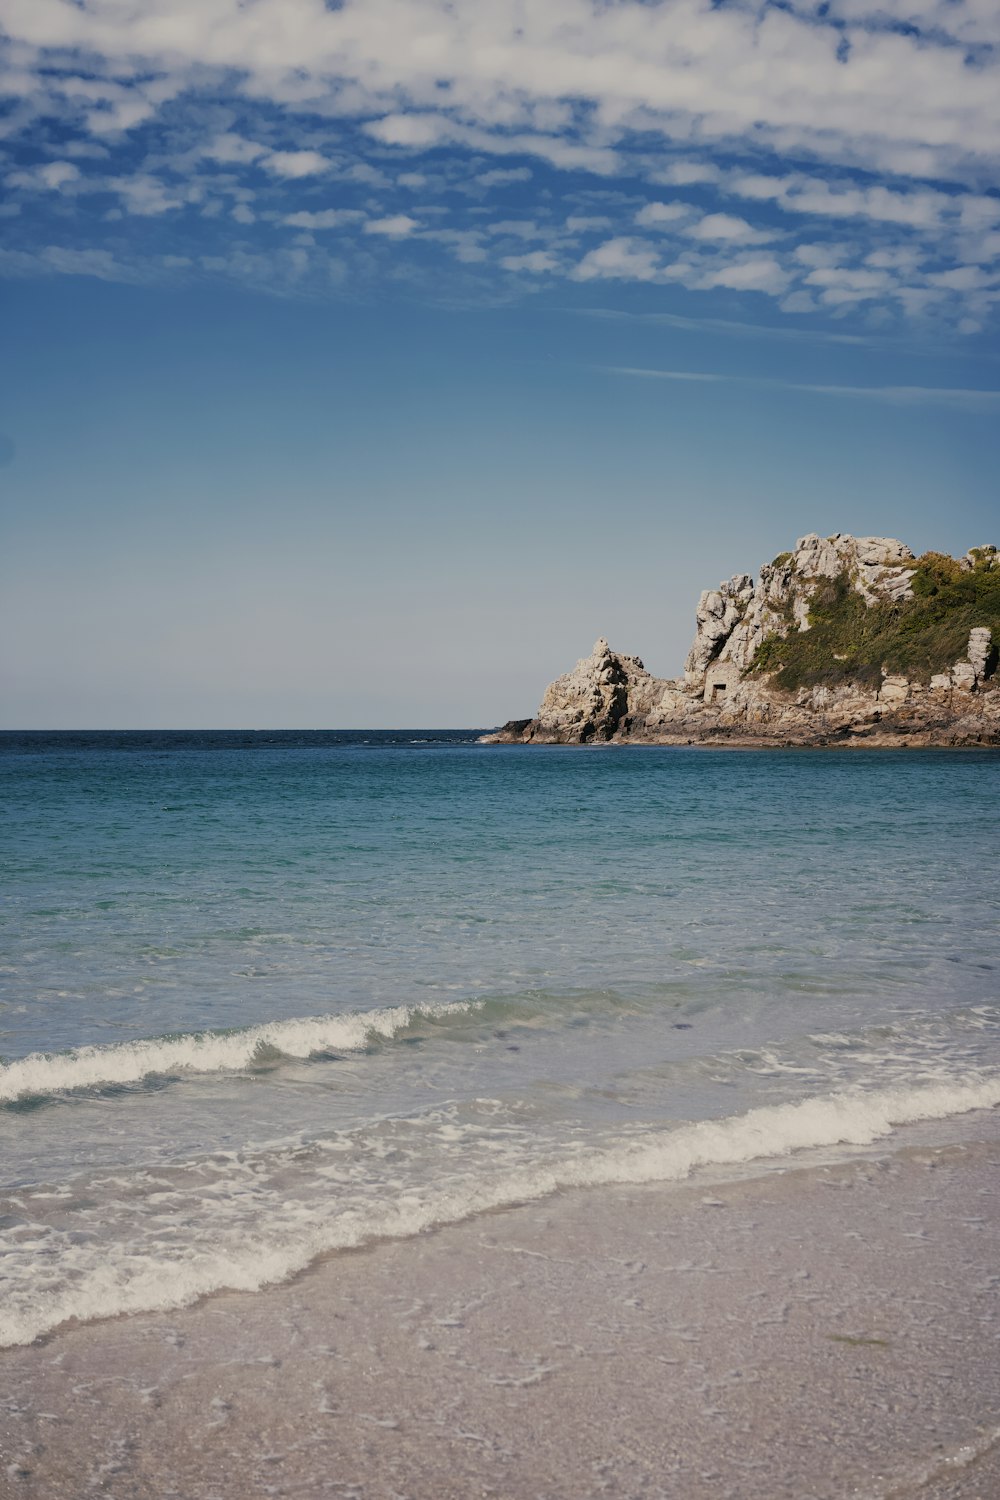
<point>733,620</point>
<point>963,677</point>
<point>591,701</point>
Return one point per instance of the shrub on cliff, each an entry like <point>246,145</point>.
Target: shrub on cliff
<point>849,641</point>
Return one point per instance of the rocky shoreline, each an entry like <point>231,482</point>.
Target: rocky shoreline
<point>733,694</point>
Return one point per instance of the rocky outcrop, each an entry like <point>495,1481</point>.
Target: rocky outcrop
<point>724,698</point>
<point>734,620</point>
<point>606,695</point>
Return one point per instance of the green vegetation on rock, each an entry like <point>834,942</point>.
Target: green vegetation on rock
<point>849,641</point>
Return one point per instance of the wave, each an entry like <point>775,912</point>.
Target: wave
<point>289,1234</point>
<point>42,1073</point>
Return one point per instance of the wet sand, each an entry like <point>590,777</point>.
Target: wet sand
<point>824,1330</point>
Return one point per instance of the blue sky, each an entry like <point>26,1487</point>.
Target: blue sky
<point>364,362</point>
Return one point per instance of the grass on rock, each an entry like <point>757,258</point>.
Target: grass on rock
<point>848,641</point>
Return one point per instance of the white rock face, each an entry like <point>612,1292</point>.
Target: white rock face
<point>733,620</point>
<point>894,690</point>
<point>981,651</point>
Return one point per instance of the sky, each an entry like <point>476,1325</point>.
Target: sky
<point>363,362</point>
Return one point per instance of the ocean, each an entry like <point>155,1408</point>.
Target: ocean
<point>269,997</point>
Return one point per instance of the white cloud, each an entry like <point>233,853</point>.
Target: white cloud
<point>763,274</point>
<point>465,244</point>
<point>671,92</point>
<point>619,259</point>
<point>228,148</point>
<point>923,209</point>
<point>53,175</point>
<point>396,226</point>
<point>663,213</point>
<point>295,163</point>
<point>521,229</point>
<point>144,195</point>
<point>421,131</point>
<point>895,395</point>
<point>535,260</point>
<point>905,101</point>
<point>841,285</point>
<point>97,263</point>
<point>728,229</point>
<point>324,218</point>
<point>687,174</point>
<point>585,223</point>
<point>503,176</point>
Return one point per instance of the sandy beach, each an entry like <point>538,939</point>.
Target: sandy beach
<point>822,1329</point>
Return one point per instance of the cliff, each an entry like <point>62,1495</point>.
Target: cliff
<point>845,640</point>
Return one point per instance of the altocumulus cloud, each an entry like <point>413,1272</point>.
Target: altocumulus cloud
<point>866,129</point>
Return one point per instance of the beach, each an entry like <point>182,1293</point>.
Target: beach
<point>825,1329</point>
<point>389,1115</point>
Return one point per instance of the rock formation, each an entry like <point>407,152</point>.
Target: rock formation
<point>733,689</point>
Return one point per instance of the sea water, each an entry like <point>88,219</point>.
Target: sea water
<point>267,996</point>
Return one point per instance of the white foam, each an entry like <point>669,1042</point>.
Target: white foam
<point>207,1052</point>
<point>267,1235</point>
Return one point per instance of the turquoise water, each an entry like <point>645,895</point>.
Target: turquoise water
<point>267,995</point>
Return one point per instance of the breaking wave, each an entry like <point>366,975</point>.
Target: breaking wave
<point>260,1228</point>
<point>41,1073</point>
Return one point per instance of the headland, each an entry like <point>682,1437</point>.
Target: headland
<point>843,641</point>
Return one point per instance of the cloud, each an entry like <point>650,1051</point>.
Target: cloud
<point>663,213</point>
<point>144,195</point>
<point>586,223</point>
<point>64,261</point>
<point>619,259</point>
<point>763,274</point>
<point>52,175</point>
<point>521,229</point>
<point>535,261</point>
<point>958,398</point>
<point>687,173</point>
<point>728,229</point>
<point>569,77</point>
<point>233,149</point>
<point>295,163</point>
<point>396,226</point>
<point>422,131</point>
<point>884,108</point>
<point>503,176</point>
<point>726,326</point>
<point>325,218</point>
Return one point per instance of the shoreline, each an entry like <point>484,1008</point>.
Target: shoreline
<point>822,1327</point>
<point>744,742</point>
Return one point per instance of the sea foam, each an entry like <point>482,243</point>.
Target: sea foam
<point>43,1073</point>
<point>107,1279</point>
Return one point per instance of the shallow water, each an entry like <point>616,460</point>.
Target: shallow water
<point>265,996</point>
